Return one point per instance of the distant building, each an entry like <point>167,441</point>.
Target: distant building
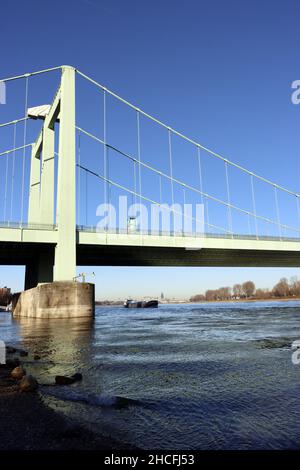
<point>162,296</point>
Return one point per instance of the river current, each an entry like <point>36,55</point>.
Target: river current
<point>197,376</point>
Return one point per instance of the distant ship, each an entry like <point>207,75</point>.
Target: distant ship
<point>140,303</point>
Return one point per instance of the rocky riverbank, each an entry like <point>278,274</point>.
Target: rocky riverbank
<point>28,424</point>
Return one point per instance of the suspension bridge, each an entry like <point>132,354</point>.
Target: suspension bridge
<point>69,144</point>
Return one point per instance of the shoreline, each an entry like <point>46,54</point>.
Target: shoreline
<point>180,302</point>
<point>27,423</point>
<point>254,300</point>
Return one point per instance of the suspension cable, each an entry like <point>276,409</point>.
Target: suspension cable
<point>184,210</point>
<point>212,153</point>
<point>229,214</point>
<point>124,188</point>
<point>86,199</point>
<point>4,124</point>
<point>94,82</point>
<point>24,149</point>
<point>160,189</point>
<point>205,195</point>
<point>104,147</point>
<point>26,75</point>
<point>108,189</point>
<point>201,185</point>
<point>15,149</point>
<point>5,189</point>
<point>170,130</point>
<point>200,173</point>
<point>171,165</point>
<point>277,212</point>
<point>254,206</point>
<point>138,123</point>
<point>171,173</point>
<point>298,207</point>
<point>134,182</point>
<point>249,225</point>
<point>13,172</point>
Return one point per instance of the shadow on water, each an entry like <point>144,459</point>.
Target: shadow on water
<point>63,345</point>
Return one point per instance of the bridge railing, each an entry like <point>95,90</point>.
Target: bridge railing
<point>26,226</point>
<point>161,233</point>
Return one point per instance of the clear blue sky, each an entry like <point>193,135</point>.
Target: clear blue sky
<point>220,72</point>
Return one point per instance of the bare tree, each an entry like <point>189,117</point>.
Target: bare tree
<point>263,294</point>
<point>282,288</point>
<point>248,288</point>
<point>294,286</point>
<point>237,290</point>
<point>224,293</point>
<point>211,294</point>
<point>197,298</point>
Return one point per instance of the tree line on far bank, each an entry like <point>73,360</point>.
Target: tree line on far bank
<point>248,290</point>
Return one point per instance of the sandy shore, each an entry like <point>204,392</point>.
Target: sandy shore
<point>26,423</point>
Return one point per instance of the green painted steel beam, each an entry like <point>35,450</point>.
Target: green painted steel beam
<point>65,251</point>
<point>46,215</point>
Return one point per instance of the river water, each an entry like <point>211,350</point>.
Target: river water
<point>202,376</point>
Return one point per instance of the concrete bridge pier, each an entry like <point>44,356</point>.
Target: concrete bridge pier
<point>56,300</point>
<point>50,289</point>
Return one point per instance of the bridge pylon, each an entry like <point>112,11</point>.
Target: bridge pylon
<point>65,251</point>
<point>61,267</point>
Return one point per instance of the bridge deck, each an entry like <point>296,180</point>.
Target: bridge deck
<point>21,245</point>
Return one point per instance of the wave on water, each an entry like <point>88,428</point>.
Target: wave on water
<point>102,400</point>
<point>272,343</point>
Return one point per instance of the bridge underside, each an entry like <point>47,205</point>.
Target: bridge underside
<point>170,256</point>
<point>33,254</point>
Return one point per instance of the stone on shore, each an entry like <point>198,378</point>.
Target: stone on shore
<point>18,373</point>
<point>28,384</point>
<point>12,363</point>
<point>64,380</point>
<point>23,353</point>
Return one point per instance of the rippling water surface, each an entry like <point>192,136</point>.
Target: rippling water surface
<point>215,376</point>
